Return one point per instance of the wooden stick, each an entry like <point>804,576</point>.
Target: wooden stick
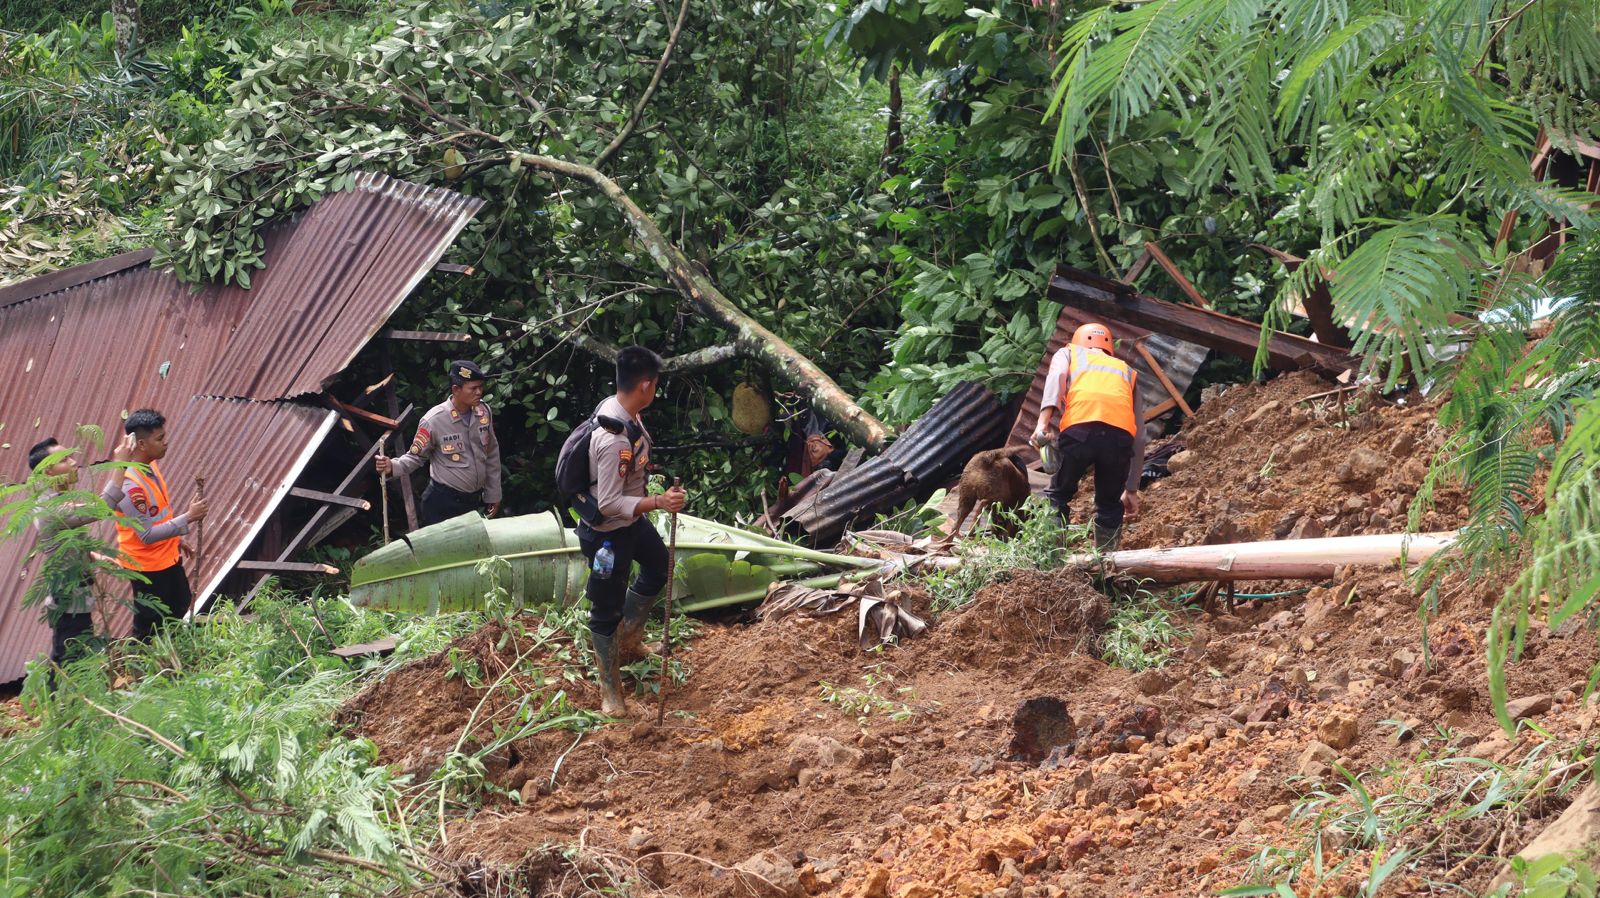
<point>1161,375</point>
<point>383,486</point>
<point>199,533</point>
<point>666,613</point>
<point>1171,269</point>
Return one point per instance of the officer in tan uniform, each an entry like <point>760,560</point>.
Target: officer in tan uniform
<point>618,468</point>
<point>456,440</point>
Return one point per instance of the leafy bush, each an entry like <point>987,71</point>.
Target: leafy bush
<point>1041,542</point>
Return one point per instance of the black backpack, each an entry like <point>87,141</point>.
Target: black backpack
<point>573,476</point>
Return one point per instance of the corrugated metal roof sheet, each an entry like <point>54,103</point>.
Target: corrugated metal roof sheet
<point>1178,358</point>
<point>221,363</point>
<point>933,449</point>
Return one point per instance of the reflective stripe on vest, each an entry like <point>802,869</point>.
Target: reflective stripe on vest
<point>1100,389</point>
<point>135,554</point>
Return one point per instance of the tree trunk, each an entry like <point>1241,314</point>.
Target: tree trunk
<point>125,18</point>
<point>678,364</point>
<point>893,137</point>
<point>1289,559</point>
<point>752,339</point>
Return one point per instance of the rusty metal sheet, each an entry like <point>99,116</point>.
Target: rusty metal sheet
<point>88,345</point>
<point>933,450</point>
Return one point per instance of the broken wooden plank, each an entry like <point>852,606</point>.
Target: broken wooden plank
<point>330,498</point>
<point>1161,374</point>
<point>362,414</point>
<point>424,336</point>
<point>1114,301</point>
<point>1150,414</point>
<point>379,647</point>
<point>453,268</point>
<point>287,567</point>
<point>1282,559</point>
<point>1137,269</point>
<point>1171,268</point>
<point>1318,304</point>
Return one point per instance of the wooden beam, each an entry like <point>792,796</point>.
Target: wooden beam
<point>330,498</point>
<point>424,336</point>
<point>1114,301</point>
<point>1171,269</point>
<point>1318,304</point>
<point>287,567</point>
<point>452,268</point>
<point>1161,375</point>
<point>392,398</point>
<point>308,534</point>
<point>1137,269</point>
<point>1167,405</point>
<point>362,414</point>
<point>388,379</point>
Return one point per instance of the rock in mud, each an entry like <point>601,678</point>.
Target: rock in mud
<point>1316,760</point>
<point>1531,706</point>
<point>770,876</point>
<point>1338,730</point>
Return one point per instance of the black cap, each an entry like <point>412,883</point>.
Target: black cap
<point>464,370</point>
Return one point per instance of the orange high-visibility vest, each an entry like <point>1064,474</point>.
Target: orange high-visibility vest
<point>1101,390</point>
<point>135,554</point>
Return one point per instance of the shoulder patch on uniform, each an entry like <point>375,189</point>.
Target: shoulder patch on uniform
<point>624,461</point>
<point>141,502</point>
<point>421,441</point>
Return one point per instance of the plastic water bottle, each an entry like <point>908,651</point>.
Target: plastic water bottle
<point>604,561</point>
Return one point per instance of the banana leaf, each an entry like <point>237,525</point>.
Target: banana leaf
<point>440,568</point>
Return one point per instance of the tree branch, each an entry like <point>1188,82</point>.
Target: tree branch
<point>751,338</point>
<point>649,91</point>
<point>678,364</point>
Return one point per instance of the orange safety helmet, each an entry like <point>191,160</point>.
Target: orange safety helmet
<point>1094,336</point>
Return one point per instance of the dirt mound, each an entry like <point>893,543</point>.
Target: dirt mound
<point>1262,461</point>
<point>1052,611</point>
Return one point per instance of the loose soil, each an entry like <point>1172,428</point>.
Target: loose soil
<point>1000,755</point>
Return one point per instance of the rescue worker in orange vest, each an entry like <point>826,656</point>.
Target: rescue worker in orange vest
<point>149,534</point>
<point>1100,427</point>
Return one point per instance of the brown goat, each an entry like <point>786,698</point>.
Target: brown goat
<point>991,479</point>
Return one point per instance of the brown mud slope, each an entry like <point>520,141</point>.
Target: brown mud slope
<point>995,756</point>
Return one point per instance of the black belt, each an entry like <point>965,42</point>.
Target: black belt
<point>453,493</point>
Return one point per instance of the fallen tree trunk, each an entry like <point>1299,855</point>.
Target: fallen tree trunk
<point>1288,559</point>
<point>752,339</point>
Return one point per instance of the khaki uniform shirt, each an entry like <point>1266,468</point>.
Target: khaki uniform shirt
<point>619,468</point>
<point>460,450</point>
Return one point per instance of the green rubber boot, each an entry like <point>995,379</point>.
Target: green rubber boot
<point>630,633</point>
<point>1106,539</point>
<point>609,673</point>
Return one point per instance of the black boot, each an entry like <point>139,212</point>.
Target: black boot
<point>1106,539</point>
<point>630,633</point>
<point>609,674</point>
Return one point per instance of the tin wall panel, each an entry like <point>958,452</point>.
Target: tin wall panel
<point>223,364</point>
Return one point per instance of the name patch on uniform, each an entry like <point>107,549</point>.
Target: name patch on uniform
<point>421,441</point>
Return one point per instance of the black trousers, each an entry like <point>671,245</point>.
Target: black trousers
<point>68,629</point>
<point>1106,449</point>
<point>636,542</point>
<point>441,503</point>
<point>166,596</point>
